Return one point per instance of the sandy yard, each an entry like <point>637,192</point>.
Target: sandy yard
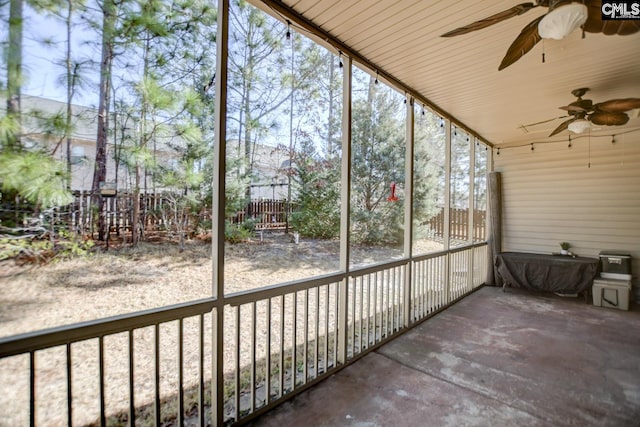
<point>125,281</point>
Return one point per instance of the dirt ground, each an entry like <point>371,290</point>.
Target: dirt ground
<point>156,274</point>
<point>127,280</point>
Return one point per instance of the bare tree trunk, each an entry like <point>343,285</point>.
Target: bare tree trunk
<point>291,105</point>
<point>369,187</point>
<point>14,72</point>
<point>100,171</point>
<point>71,82</point>
<point>248,151</point>
<point>135,227</point>
<point>70,87</point>
<point>330,148</point>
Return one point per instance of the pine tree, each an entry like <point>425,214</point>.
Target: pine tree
<point>169,97</point>
<point>109,19</point>
<point>428,169</point>
<point>317,187</point>
<point>61,124</point>
<point>11,123</point>
<point>377,164</point>
<point>257,87</point>
<point>316,155</point>
<point>34,175</point>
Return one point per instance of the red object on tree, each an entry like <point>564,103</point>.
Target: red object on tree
<point>393,197</point>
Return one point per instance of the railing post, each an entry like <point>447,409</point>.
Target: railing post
<point>342,320</point>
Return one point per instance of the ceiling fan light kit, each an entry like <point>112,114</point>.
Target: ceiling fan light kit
<point>579,126</point>
<point>560,22</point>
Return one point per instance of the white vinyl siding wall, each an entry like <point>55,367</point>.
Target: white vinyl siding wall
<point>551,195</point>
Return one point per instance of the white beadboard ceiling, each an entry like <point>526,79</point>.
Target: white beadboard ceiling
<point>460,76</point>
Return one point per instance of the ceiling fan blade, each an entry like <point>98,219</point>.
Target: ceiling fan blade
<point>628,27</point>
<point>595,24</point>
<point>493,19</point>
<point>608,118</point>
<point>563,126</point>
<point>580,106</point>
<point>618,105</point>
<point>571,109</point>
<point>527,39</point>
<point>543,122</point>
<point>621,28</point>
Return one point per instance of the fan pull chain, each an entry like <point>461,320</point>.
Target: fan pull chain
<point>589,164</point>
<point>543,51</point>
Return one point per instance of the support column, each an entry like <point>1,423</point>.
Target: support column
<point>217,386</point>
<point>345,210</point>
<point>408,211</point>
<point>447,207</point>
<point>494,232</point>
<point>471,209</point>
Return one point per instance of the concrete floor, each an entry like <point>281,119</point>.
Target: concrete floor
<point>513,358</point>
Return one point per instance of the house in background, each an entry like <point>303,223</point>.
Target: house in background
<point>270,165</point>
<point>269,180</point>
<point>83,144</point>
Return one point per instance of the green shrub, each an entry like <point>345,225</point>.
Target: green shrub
<point>238,233</point>
<point>71,245</point>
<point>31,250</point>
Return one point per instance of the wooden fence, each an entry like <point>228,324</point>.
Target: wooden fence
<point>267,214</point>
<point>156,214</point>
<point>459,224</point>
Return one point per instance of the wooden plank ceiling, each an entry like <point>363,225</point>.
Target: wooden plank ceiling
<point>460,74</point>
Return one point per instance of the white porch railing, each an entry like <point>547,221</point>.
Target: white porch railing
<point>278,341</point>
